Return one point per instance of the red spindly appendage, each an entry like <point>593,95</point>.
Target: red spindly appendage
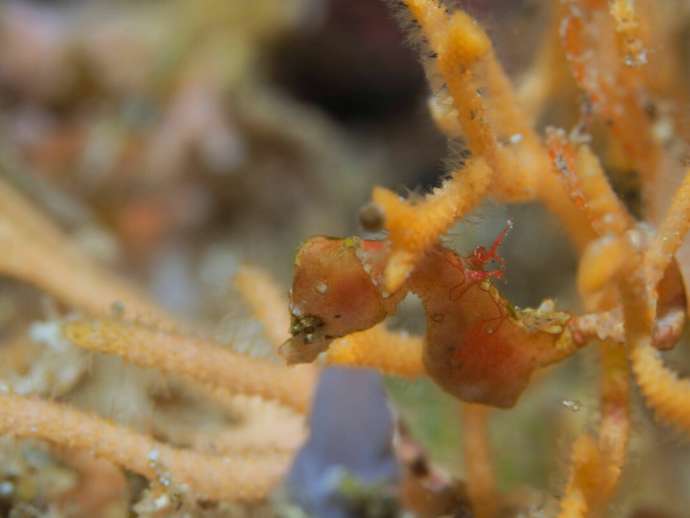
<point>480,256</point>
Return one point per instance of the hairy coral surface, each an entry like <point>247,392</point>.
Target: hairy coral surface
<point>208,426</point>
<point>477,346</point>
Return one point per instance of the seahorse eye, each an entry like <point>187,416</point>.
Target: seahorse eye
<point>371,217</point>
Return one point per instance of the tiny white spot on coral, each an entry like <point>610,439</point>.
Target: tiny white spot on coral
<point>161,502</point>
<point>572,404</point>
<point>48,333</point>
<point>154,455</point>
<point>6,488</point>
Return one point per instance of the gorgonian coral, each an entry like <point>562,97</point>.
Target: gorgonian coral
<point>478,346</point>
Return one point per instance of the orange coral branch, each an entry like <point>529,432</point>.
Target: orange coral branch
<point>480,476</point>
<point>588,187</point>
<point>670,235</point>
<point>614,429</point>
<point>267,302</point>
<point>616,92</point>
<point>36,251</point>
<point>665,393</point>
<point>388,351</point>
<point>432,17</point>
<point>461,55</point>
<point>599,264</point>
<point>582,489</point>
<point>220,478</point>
<point>629,32</point>
<point>484,100</point>
<point>194,359</point>
<point>479,90</point>
<point>590,191</point>
<point>597,467</point>
<point>415,227</point>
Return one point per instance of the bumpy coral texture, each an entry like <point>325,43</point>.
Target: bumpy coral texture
<point>477,346</point>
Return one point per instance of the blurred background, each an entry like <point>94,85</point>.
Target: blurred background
<point>175,140</point>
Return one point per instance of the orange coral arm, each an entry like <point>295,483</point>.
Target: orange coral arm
<point>413,228</point>
<point>480,476</point>
<point>193,359</point>
<point>241,478</point>
<point>388,351</point>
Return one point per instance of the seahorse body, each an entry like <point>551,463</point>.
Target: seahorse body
<point>478,348</point>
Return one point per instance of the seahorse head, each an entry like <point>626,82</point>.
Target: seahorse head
<point>337,290</point>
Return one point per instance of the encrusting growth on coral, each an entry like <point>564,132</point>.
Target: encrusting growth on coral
<point>628,30</point>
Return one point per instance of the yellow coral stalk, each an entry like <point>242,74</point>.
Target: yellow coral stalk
<point>463,50</point>
<point>480,476</point>
<point>242,478</point>
<point>669,235</point>
<point>432,17</point>
<point>390,352</point>
<point>597,467</point>
<point>600,262</point>
<point>664,392</point>
<point>629,32</point>
<point>270,308</point>
<point>36,251</point>
<point>590,191</point>
<point>484,100</point>
<point>605,211</point>
<point>614,429</point>
<point>268,304</point>
<point>194,359</point>
<point>616,92</point>
<point>465,47</point>
<point>415,227</point>
<point>582,485</point>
